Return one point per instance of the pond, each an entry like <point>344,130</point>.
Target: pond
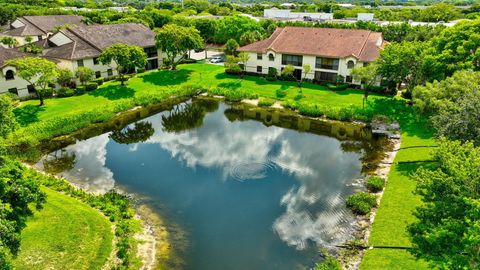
<point>250,188</point>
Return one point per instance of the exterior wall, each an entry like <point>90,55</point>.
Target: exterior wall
<point>21,40</point>
<point>265,63</point>
<point>17,82</point>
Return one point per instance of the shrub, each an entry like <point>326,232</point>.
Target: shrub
<point>140,70</point>
<point>109,78</point>
<point>99,81</point>
<point>330,263</point>
<point>309,109</point>
<point>338,87</point>
<point>80,90</point>
<point>91,86</point>
<point>65,92</point>
<point>281,93</point>
<point>232,94</point>
<point>47,92</point>
<point>265,102</point>
<point>187,61</point>
<point>272,74</point>
<point>298,96</point>
<point>362,202</point>
<point>375,184</point>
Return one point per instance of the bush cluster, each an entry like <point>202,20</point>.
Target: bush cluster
<point>266,102</point>
<point>233,95</point>
<point>281,93</point>
<point>65,92</point>
<point>375,184</point>
<point>362,202</point>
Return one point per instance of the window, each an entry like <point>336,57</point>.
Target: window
<point>80,63</point>
<point>110,72</point>
<point>349,79</point>
<point>271,57</point>
<point>13,91</point>
<point>326,63</point>
<point>9,75</point>
<point>325,76</point>
<point>31,89</point>
<point>98,74</point>
<point>350,64</point>
<point>259,56</point>
<point>259,69</point>
<point>295,60</point>
<point>151,52</point>
<point>95,61</point>
<point>39,37</point>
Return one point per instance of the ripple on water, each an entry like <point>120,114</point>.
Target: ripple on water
<point>251,170</point>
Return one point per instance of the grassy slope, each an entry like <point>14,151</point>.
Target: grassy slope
<point>398,201</point>
<point>66,234</point>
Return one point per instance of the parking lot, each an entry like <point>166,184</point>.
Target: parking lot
<point>210,55</point>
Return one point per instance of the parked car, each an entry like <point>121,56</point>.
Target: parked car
<point>216,59</point>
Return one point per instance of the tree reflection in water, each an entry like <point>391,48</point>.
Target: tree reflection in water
<point>140,132</point>
<point>188,116</point>
<point>59,161</point>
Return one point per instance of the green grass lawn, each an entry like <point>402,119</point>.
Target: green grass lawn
<point>66,234</point>
<point>399,201</point>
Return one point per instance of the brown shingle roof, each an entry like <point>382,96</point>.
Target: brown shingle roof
<point>40,25</point>
<point>7,54</point>
<point>89,41</point>
<point>328,42</point>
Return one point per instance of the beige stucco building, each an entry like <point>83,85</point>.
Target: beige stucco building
<point>331,53</point>
<point>9,80</point>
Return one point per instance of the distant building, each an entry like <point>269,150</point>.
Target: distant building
<point>332,53</point>
<point>286,14</point>
<point>365,17</point>
<point>39,27</point>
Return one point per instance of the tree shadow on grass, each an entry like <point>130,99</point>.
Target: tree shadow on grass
<point>167,77</point>
<point>114,92</point>
<point>408,168</point>
<point>230,85</point>
<point>28,114</point>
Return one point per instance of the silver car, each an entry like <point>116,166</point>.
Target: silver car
<point>216,59</point>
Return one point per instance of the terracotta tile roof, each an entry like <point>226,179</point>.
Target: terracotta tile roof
<point>40,25</point>
<point>329,42</point>
<point>90,41</point>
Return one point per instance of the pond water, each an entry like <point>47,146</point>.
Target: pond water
<point>250,188</point>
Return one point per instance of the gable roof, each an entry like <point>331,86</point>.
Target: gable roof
<point>90,41</point>
<point>7,54</point>
<point>365,45</point>
<point>41,25</point>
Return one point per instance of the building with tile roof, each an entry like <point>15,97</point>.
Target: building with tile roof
<point>330,52</point>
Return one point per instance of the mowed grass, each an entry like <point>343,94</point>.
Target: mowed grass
<point>65,234</point>
<point>395,212</point>
<point>111,94</point>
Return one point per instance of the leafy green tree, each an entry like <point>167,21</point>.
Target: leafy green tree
<point>6,14</point>
<point>231,47</point>
<point>125,57</point>
<point>232,27</point>
<point>447,232</point>
<point>18,192</point>
<point>368,76</point>
<point>287,72</point>
<point>176,41</point>
<point>38,72</point>
<point>198,5</point>
<point>8,122</point>
<point>440,12</point>
<point>250,37</point>
<point>208,29</point>
<point>455,48</point>
<point>401,63</point>
<point>9,41</point>
<point>306,70</point>
<point>84,74</point>
<point>454,105</point>
<point>64,77</point>
<point>231,65</point>
<point>243,58</point>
